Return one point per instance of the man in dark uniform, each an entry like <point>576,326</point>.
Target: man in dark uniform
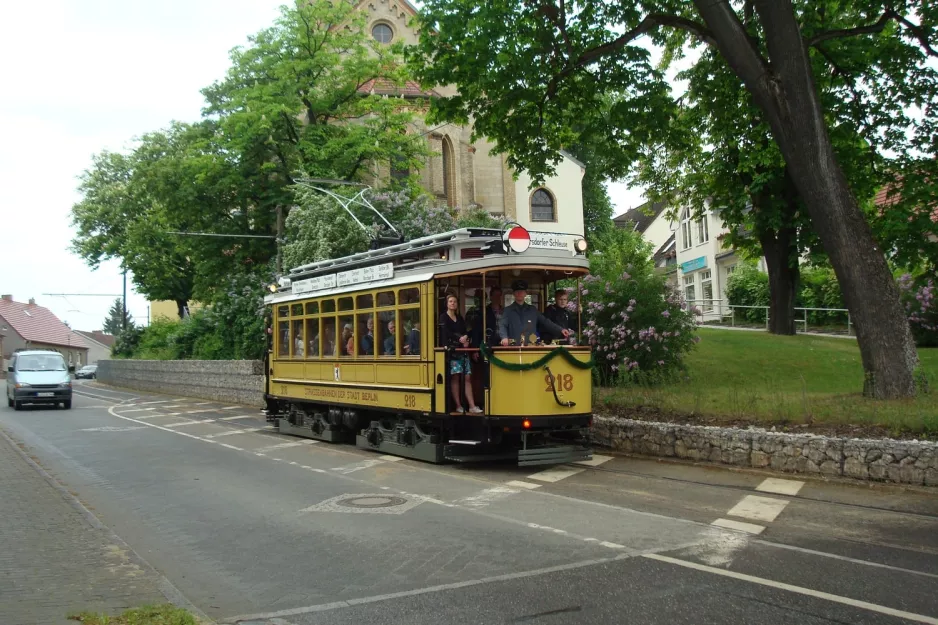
<point>558,313</point>
<point>522,320</point>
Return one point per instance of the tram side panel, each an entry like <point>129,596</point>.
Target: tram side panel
<point>560,389</point>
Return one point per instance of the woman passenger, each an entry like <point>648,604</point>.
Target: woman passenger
<point>453,334</point>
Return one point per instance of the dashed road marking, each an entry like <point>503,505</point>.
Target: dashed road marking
<point>610,545</point>
<point>358,466</point>
<point>595,461</point>
<point>287,445</point>
<point>486,497</point>
<point>780,487</point>
<point>520,484</point>
<point>157,416</point>
<point>139,409</point>
<point>237,416</point>
<point>200,411</point>
<point>231,407</point>
<point>554,474</point>
<point>231,447</point>
<point>758,508</point>
<point>391,458</point>
<point>161,401</point>
<point>225,433</point>
<point>181,423</point>
<point>749,528</point>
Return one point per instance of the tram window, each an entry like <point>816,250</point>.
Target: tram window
<point>312,308</point>
<point>345,303</point>
<point>328,305</point>
<point>312,337</point>
<point>283,344</point>
<point>297,310</point>
<point>366,335</point>
<point>299,347</point>
<point>328,337</point>
<point>283,312</point>
<point>387,333</point>
<point>365,301</point>
<point>410,296</point>
<point>410,332</point>
<point>347,338</point>
<point>386,299</point>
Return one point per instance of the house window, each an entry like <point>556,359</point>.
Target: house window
<point>689,293</point>
<point>730,270</point>
<point>382,33</point>
<point>542,206</point>
<point>703,230</point>
<point>706,290</point>
<point>685,229</point>
<point>449,172</point>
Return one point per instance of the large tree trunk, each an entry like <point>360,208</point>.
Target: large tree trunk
<point>784,90</point>
<point>782,262</point>
<point>182,308</point>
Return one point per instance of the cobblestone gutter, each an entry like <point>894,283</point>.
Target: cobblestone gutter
<point>230,381</point>
<point>885,460</point>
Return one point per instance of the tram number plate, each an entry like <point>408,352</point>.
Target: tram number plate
<point>562,382</point>
<point>410,401</point>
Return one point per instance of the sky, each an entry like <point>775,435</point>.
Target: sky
<point>84,76</point>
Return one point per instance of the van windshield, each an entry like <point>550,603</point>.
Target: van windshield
<point>40,363</point>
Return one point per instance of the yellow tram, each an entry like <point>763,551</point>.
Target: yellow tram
<point>355,353</point>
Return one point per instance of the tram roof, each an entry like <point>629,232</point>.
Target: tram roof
<point>456,251</point>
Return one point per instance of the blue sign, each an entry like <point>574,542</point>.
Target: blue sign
<point>694,265</point>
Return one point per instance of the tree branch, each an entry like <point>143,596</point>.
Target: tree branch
<point>876,27</point>
<point>650,22</point>
<point>920,33</point>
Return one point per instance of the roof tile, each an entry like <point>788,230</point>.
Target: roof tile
<point>37,324</point>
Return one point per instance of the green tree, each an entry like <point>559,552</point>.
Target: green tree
<point>117,319</point>
<point>541,69</point>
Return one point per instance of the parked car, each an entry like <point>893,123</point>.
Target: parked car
<point>38,377</point>
<point>88,371</point>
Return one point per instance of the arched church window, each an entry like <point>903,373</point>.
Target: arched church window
<point>542,206</point>
<point>382,33</point>
<point>449,172</point>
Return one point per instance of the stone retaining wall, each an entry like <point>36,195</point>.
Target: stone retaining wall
<point>886,460</point>
<point>230,381</point>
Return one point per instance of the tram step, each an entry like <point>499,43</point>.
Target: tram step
<point>465,442</point>
<point>553,455</point>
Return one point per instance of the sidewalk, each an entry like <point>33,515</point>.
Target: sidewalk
<point>55,557</point>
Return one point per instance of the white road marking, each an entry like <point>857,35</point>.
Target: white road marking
<point>181,423</point>
<point>237,416</point>
<point>175,406</point>
<point>113,428</point>
<point>486,497</point>
<point>872,607</point>
<point>231,407</point>
<point>287,445</point>
<point>231,447</point>
<point>358,466</point>
<point>391,458</point>
<point>225,433</point>
<point>200,411</point>
<point>780,487</point>
<point>147,403</point>
<point>203,403</point>
<point>139,409</point>
<point>612,545</point>
<point>156,415</point>
<point>758,508</point>
<point>520,484</point>
<point>554,474</point>
<point>595,461</point>
<point>749,528</point>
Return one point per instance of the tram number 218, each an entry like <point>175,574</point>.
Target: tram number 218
<point>560,381</point>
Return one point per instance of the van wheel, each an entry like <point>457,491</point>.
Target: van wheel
<point>67,404</point>
<point>17,405</point>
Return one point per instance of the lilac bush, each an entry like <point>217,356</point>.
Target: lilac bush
<point>921,306</point>
<point>638,326</point>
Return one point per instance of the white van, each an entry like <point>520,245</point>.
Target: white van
<point>39,377</point>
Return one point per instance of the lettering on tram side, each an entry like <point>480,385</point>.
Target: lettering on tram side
<point>316,392</point>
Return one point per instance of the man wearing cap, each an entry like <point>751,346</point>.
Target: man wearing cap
<point>520,320</point>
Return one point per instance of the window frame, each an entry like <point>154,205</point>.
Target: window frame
<point>390,28</point>
<point>553,206</point>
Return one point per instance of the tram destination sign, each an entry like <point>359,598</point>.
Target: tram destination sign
<point>345,278</point>
<point>550,241</point>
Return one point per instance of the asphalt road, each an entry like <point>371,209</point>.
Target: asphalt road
<point>255,527</point>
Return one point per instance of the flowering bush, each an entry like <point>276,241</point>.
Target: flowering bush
<point>922,308</point>
<point>637,325</point>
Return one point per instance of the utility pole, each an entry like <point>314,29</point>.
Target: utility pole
<point>124,305</point>
<point>279,239</point>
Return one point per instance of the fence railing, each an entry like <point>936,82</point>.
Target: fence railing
<point>719,309</point>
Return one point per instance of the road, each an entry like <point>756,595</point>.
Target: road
<point>258,528</point>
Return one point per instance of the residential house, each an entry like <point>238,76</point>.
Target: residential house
<point>651,221</point>
<point>459,171</point>
<point>30,326</point>
<point>99,345</point>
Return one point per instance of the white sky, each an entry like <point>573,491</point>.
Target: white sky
<point>87,75</point>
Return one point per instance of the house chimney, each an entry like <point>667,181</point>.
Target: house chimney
<point>7,298</point>
<point>32,301</point>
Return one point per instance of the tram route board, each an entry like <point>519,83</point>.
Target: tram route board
<point>417,399</point>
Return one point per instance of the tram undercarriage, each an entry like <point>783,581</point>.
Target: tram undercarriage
<point>438,439</point>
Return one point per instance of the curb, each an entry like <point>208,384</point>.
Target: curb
<point>172,594</point>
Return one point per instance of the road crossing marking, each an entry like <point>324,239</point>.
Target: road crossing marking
<point>230,407</point>
<point>358,466</point>
<point>486,497</point>
<point>201,411</point>
<point>139,409</point>
<point>226,433</point>
<point>520,484</point>
<point>157,415</point>
<point>287,445</point>
<point>391,458</point>
<point>555,474</point>
<point>239,416</point>
<point>758,508</point>
<point>780,487</point>
<point>161,401</point>
<point>595,461</point>
<point>749,528</point>
<point>181,423</point>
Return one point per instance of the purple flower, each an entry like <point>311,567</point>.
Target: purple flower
<point>666,313</point>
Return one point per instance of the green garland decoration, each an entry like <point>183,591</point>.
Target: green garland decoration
<point>537,364</point>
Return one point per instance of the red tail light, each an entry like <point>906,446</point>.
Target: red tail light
<point>526,424</point>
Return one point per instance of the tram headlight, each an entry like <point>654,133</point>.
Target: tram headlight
<point>580,246</point>
<point>273,288</point>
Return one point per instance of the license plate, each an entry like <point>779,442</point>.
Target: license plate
<point>45,394</point>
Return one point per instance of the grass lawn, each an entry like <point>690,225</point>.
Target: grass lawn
<point>754,377</point>
<point>147,615</point>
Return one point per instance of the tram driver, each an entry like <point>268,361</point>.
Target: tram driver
<point>558,313</point>
<point>520,320</point>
